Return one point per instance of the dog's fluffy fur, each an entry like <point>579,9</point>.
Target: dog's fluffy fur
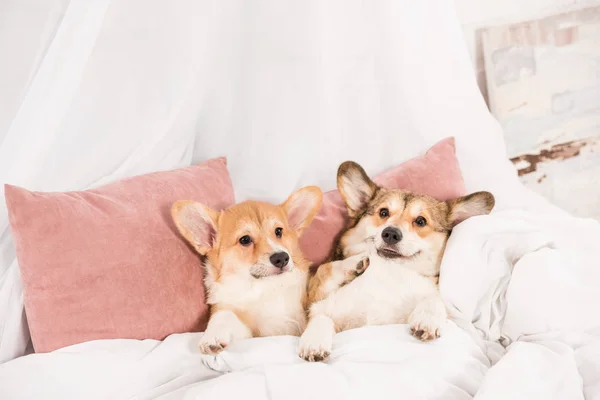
<point>398,274</point>
<point>248,294</point>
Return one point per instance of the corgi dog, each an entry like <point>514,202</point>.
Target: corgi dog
<point>386,262</point>
<point>256,275</point>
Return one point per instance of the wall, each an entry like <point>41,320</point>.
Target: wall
<point>538,66</point>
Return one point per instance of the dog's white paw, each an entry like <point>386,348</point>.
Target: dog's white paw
<point>315,348</point>
<point>424,325</point>
<point>316,341</point>
<point>355,266</point>
<point>213,344</point>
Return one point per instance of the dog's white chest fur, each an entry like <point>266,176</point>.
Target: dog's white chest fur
<point>386,293</point>
<point>273,305</point>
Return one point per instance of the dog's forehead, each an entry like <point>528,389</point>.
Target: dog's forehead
<point>391,198</point>
<point>419,204</point>
<point>403,201</point>
<point>251,215</point>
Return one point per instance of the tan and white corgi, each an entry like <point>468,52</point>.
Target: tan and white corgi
<point>256,275</point>
<point>386,262</point>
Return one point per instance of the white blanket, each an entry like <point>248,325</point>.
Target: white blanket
<point>530,283</point>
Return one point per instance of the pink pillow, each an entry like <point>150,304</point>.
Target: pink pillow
<point>108,262</point>
<point>436,173</point>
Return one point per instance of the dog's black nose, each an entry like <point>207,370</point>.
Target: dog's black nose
<point>280,260</point>
<point>391,235</point>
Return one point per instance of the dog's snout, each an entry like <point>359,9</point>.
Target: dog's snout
<point>280,259</point>
<point>391,235</point>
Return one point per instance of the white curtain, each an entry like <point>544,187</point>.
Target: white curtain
<point>93,91</point>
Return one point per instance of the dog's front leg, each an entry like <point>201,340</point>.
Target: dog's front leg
<point>317,339</point>
<point>427,318</point>
<point>223,328</point>
<point>331,276</point>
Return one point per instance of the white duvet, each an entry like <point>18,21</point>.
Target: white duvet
<point>524,292</point>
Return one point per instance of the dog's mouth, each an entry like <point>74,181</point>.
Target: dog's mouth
<point>386,252</point>
<point>265,272</point>
<point>280,271</point>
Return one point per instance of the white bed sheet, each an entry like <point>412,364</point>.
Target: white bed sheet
<point>522,294</point>
<point>371,360</point>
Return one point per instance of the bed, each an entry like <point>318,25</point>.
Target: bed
<point>288,90</point>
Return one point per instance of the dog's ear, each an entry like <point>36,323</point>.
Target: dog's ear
<point>478,203</point>
<point>355,186</point>
<point>197,223</point>
<point>302,206</point>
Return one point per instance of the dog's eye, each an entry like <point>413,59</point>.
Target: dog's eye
<point>279,232</point>
<point>384,213</point>
<point>245,240</point>
<point>420,221</point>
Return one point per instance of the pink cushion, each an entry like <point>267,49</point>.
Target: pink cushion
<point>436,173</point>
<point>108,263</point>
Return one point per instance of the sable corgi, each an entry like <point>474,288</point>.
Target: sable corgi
<point>386,262</point>
<point>256,275</point>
